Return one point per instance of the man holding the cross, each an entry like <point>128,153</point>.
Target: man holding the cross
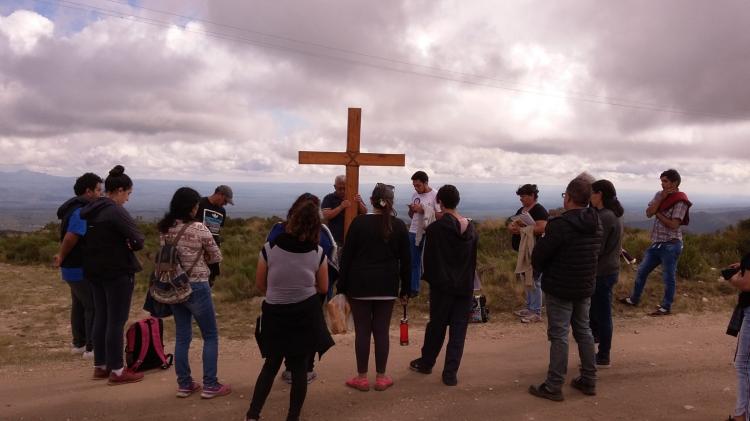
<point>333,207</point>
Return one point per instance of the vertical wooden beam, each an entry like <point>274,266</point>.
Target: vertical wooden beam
<point>352,185</point>
<point>354,124</point>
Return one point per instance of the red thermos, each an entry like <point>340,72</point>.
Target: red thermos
<point>404,329</point>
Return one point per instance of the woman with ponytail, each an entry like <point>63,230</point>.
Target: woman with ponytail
<point>196,250</point>
<point>292,270</point>
<point>110,264</point>
<point>604,199</point>
<point>375,270</point>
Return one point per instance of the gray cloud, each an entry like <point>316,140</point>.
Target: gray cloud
<point>174,103</point>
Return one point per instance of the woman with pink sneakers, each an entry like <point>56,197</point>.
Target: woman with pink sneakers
<point>375,270</point>
<point>197,251</point>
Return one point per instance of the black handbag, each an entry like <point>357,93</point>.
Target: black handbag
<point>157,309</point>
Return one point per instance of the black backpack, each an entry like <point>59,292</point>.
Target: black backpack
<point>145,346</point>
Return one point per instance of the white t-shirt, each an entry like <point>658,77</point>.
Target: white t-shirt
<point>427,200</point>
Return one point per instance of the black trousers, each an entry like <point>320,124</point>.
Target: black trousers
<point>298,366</point>
<point>447,312</point>
<point>112,305</point>
<point>82,314</point>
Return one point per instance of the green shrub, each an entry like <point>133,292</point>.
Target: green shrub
<point>33,248</point>
<point>243,239</point>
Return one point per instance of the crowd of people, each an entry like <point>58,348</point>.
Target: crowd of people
<point>568,263</point>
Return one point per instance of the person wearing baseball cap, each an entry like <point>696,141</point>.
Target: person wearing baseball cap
<point>212,213</point>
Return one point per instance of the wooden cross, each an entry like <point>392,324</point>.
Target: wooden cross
<point>353,159</point>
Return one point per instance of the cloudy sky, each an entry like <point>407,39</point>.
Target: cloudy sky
<point>511,91</point>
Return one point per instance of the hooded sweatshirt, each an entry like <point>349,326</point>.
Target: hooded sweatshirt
<point>111,238</point>
<point>567,254</point>
<point>74,259</point>
<point>450,256</point>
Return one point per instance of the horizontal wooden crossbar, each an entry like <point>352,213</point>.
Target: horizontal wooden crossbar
<point>343,158</point>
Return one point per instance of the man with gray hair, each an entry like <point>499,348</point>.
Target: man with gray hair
<point>567,257</point>
<point>333,206</point>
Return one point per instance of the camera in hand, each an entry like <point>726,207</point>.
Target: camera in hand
<point>727,273</point>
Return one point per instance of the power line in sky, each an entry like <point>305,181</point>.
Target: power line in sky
<point>457,77</point>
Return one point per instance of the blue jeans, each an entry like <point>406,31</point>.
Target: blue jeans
<point>416,261</point>
<point>534,295</point>
<point>742,364</point>
<point>665,254</point>
<point>600,314</point>
<point>200,307</point>
<point>561,316</point>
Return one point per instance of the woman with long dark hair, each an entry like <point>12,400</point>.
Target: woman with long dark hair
<point>375,270</point>
<point>604,199</point>
<point>196,250</point>
<point>110,265</point>
<point>292,270</point>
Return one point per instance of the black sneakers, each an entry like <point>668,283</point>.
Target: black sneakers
<point>585,387</point>
<point>449,379</point>
<point>420,367</point>
<point>542,391</point>
<point>627,301</point>
<point>660,311</point>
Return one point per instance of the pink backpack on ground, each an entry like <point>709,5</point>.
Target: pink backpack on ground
<point>145,346</point>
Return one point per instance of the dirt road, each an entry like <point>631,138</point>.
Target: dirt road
<point>672,368</point>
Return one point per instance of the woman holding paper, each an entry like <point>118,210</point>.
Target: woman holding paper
<point>531,218</point>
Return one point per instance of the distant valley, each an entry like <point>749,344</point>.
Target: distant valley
<point>30,200</point>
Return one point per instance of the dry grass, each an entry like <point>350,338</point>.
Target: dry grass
<point>34,307</point>
<point>34,302</point>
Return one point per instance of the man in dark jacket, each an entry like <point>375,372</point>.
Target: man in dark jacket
<point>450,261</point>
<point>567,256</point>
<point>70,261</point>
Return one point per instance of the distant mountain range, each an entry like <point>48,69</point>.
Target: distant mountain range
<point>30,200</point>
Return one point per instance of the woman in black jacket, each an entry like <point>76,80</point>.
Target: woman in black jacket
<point>110,264</point>
<point>375,270</point>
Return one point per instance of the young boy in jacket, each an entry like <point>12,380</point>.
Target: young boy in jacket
<point>69,259</point>
<point>566,257</point>
<point>450,261</point>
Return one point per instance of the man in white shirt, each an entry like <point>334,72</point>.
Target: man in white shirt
<point>423,209</point>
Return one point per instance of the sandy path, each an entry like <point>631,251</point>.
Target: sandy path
<point>671,368</point>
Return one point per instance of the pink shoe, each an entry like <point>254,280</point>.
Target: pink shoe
<point>186,391</point>
<point>382,383</point>
<point>359,383</point>
<point>210,392</point>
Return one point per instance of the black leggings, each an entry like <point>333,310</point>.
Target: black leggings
<point>372,318</point>
<point>111,309</point>
<point>298,366</point>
